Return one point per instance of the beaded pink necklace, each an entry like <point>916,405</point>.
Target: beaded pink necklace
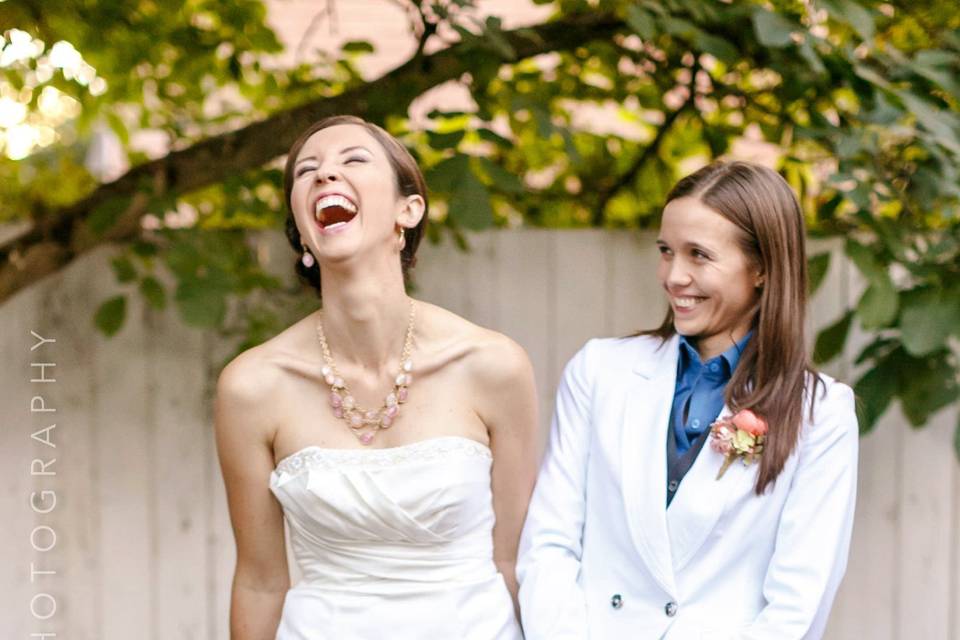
<point>364,423</point>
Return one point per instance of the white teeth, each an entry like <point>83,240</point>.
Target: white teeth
<point>334,201</point>
<point>685,303</point>
<point>335,225</point>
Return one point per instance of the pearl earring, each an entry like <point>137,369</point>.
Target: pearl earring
<point>401,239</point>
<point>307,258</point>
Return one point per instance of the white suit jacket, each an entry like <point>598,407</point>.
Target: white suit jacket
<point>601,556</point>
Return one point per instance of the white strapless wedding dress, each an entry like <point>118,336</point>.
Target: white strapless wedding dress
<point>393,543</point>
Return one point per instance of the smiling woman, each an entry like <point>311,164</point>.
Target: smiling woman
<point>398,440</point>
<point>636,529</point>
<point>304,163</point>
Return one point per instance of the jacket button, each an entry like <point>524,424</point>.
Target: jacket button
<point>616,601</point>
<point>670,609</point>
<point>673,486</point>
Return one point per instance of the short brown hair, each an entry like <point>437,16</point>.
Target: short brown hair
<point>774,371</point>
<point>409,180</point>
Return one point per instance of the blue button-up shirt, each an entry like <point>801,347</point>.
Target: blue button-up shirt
<point>700,388</point>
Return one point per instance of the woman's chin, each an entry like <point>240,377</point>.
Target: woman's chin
<point>687,328</point>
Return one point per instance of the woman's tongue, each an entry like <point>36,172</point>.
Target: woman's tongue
<point>335,217</point>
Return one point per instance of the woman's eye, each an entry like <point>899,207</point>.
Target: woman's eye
<point>664,250</point>
<point>303,170</point>
<point>355,159</point>
<point>700,254</point>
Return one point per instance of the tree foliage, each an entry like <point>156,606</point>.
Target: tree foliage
<point>586,120</point>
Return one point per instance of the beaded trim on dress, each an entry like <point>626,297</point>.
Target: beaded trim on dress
<point>431,449</point>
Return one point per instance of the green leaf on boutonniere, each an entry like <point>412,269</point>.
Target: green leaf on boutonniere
<point>743,441</point>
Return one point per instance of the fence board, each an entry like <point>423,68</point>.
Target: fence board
<point>75,515</point>
<point>525,298</point>
<point>18,450</point>
<point>635,299</point>
<point>177,372</point>
<point>124,459</point>
<point>924,529</point>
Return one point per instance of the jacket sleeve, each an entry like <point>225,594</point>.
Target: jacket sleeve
<point>813,536</point>
<point>552,605</point>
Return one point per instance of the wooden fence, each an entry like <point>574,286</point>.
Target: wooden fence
<point>139,537</point>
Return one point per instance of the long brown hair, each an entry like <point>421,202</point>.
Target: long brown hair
<point>409,180</point>
<point>774,373</point>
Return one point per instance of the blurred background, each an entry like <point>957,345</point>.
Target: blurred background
<point>141,214</point>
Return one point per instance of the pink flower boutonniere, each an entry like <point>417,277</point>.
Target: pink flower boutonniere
<point>740,436</point>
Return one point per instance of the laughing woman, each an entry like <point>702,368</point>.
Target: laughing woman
<point>700,477</point>
<point>403,516</point>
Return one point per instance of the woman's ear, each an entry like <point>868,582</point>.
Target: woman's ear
<point>412,212</point>
<point>759,280</point>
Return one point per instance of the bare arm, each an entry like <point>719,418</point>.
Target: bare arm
<point>243,435</point>
<point>509,409</point>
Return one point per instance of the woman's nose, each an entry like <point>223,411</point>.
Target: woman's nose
<point>677,273</point>
<point>327,175</point>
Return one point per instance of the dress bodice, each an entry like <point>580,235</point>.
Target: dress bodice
<point>404,527</point>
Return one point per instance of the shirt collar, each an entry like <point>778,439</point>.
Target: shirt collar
<point>689,355</point>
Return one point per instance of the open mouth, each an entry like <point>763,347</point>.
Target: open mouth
<point>686,303</point>
<point>334,211</point>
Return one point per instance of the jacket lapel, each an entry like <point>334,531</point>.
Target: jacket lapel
<point>649,396</point>
<point>701,499</point>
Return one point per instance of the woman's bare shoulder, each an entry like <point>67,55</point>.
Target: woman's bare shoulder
<point>257,373</point>
<point>489,356</point>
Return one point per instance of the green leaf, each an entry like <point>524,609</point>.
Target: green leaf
<point>772,30</point>
<point>182,257</point>
<point>470,204</point>
<point>641,22</point>
<point>926,319</point>
<point>956,440</point>
<point>110,315</point>
<point>817,267</point>
<point>874,391</point>
<point>502,179</point>
<point>123,269</point>
<point>153,292</point>
<point>118,127</point>
<point>199,304</point>
<point>853,14</point>
<point>934,120</point>
<point>494,137</point>
<point>865,259</point>
<point>442,141</point>
<point>808,53</point>
<point>106,214</point>
<point>878,305</point>
<point>144,249</point>
<point>831,339</point>
<point>926,387</point>
<point>357,46</point>
<point>493,34</point>
<point>679,27</point>
<point>877,350</point>
<point>446,174</point>
<point>716,46</point>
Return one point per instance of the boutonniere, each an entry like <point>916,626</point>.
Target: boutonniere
<point>740,436</point>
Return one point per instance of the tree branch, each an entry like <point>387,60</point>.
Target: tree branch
<point>630,174</point>
<point>59,237</point>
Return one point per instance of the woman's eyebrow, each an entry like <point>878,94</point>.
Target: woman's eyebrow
<point>698,245</point>
<point>342,151</point>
